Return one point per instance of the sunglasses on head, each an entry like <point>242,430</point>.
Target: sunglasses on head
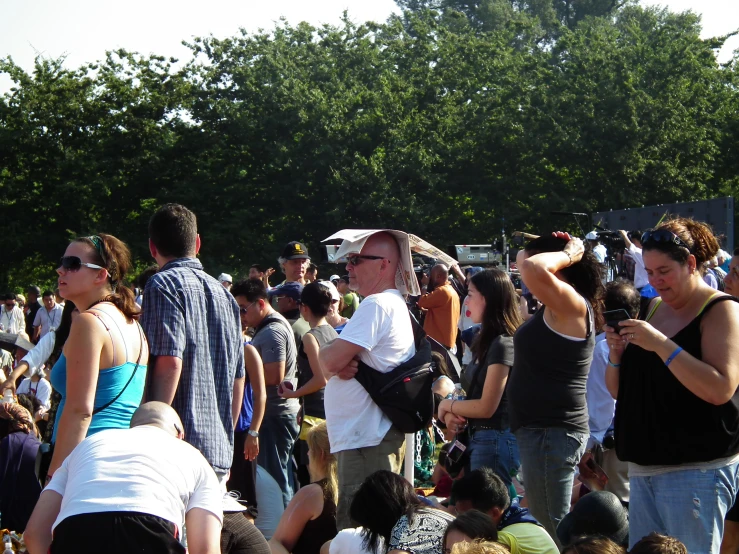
<point>663,236</point>
<point>74,263</point>
<point>356,259</point>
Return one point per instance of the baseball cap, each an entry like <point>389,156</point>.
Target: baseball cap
<point>591,236</point>
<point>334,278</point>
<point>225,277</point>
<point>295,250</point>
<point>332,288</point>
<point>292,289</point>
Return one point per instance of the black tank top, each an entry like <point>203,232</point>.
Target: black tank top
<point>659,421</point>
<point>313,403</point>
<point>317,531</point>
<point>547,384</point>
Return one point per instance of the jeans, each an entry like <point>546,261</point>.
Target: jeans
<point>548,460</point>
<point>689,505</point>
<point>277,437</point>
<point>497,450</point>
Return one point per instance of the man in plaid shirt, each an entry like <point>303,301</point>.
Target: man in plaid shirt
<point>194,332</point>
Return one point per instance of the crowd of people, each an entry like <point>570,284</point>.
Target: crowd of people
<point>583,412</point>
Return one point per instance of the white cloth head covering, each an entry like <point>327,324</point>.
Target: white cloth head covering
<point>353,242</point>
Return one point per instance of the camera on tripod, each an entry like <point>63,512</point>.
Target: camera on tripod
<point>612,240</point>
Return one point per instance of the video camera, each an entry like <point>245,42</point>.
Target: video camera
<point>612,240</point>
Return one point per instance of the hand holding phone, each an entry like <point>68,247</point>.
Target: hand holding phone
<point>615,317</point>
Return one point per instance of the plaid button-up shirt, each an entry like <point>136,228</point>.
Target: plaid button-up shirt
<point>190,315</point>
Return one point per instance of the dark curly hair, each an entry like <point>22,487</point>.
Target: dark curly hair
<point>585,276</point>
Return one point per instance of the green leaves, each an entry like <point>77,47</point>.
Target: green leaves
<point>435,122</point>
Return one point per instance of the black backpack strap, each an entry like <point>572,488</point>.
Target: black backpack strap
<point>133,374</point>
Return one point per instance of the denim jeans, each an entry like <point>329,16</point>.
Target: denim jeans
<point>548,460</point>
<point>497,450</point>
<point>689,505</point>
<point>277,437</point>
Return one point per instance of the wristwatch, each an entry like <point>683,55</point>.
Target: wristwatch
<point>252,433</point>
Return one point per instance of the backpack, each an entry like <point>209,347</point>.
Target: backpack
<point>404,393</point>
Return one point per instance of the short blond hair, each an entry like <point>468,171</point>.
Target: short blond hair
<point>480,547</point>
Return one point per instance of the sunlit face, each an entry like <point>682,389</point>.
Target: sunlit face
<point>295,269</point>
<point>73,283</point>
<point>669,278</point>
<point>475,304</point>
<point>453,537</point>
<point>342,286</point>
<point>364,276</point>
<point>286,304</point>
<point>244,308</point>
<point>731,281</point>
<point>49,302</point>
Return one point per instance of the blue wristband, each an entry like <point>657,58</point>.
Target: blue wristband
<point>677,351</point>
<point>610,363</point>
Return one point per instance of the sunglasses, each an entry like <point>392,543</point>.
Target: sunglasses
<point>356,259</point>
<point>244,311</point>
<point>663,236</point>
<point>74,263</point>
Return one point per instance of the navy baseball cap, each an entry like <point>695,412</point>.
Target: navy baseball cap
<point>292,290</point>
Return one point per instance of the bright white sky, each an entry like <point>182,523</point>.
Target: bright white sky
<point>84,29</point>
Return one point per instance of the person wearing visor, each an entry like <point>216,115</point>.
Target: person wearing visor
<point>102,370</point>
<point>675,377</point>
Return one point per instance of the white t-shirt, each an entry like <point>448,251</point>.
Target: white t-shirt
<point>349,541</point>
<point>48,320</point>
<point>641,279</point>
<point>382,326</point>
<point>143,469</point>
<point>42,390</point>
<point>12,321</point>
<point>40,353</point>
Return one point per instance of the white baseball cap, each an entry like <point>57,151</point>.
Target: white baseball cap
<point>225,278</point>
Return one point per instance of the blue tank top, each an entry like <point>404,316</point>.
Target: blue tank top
<point>110,382</point>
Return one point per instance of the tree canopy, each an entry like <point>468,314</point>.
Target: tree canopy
<point>433,122</point>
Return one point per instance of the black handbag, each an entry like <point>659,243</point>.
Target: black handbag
<point>458,454</point>
<point>404,394</point>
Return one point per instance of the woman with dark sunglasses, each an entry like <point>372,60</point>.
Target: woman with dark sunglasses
<point>102,369</point>
<point>675,376</point>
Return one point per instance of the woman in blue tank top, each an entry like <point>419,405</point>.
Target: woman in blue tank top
<point>102,370</point>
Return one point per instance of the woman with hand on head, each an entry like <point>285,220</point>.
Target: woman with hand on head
<point>310,518</point>
<point>102,370</point>
<point>552,355</point>
<point>675,377</point>
<point>491,301</point>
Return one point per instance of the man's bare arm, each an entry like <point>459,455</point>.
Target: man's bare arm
<point>165,378</point>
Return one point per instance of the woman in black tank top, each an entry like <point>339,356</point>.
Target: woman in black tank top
<point>547,384</point>
<point>675,376</point>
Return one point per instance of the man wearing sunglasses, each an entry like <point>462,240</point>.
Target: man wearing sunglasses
<point>379,334</point>
<point>11,316</point>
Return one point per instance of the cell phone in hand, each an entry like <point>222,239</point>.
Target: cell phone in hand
<point>615,317</point>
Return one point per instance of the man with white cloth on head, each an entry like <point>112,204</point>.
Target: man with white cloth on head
<point>379,334</point>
